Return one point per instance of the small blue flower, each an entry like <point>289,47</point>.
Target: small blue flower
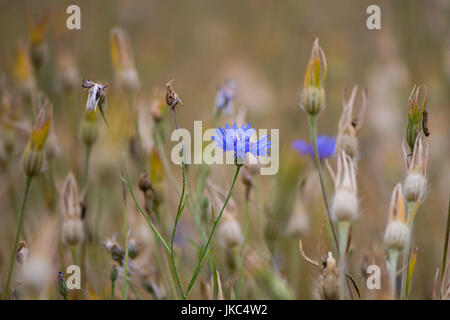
<point>225,96</point>
<point>238,140</point>
<point>325,147</point>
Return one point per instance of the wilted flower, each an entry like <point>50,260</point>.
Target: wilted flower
<point>123,60</point>
<point>238,140</point>
<point>72,225</point>
<point>96,94</point>
<point>415,116</point>
<point>345,202</point>
<point>349,126</point>
<point>313,94</point>
<point>33,155</point>
<point>415,182</point>
<point>397,231</point>
<point>325,147</point>
<point>224,98</point>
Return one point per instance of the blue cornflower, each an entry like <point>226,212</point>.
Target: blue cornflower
<point>225,96</point>
<point>237,139</point>
<point>326,147</point>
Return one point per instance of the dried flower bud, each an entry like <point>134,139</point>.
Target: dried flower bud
<point>172,99</point>
<point>313,94</point>
<point>67,70</point>
<point>123,60</point>
<point>133,248</point>
<point>113,274</point>
<point>298,225</point>
<point>328,280</point>
<point>397,231</point>
<point>37,29</point>
<point>229,233</point>
<point>415,183</point>
<point>345,201</point>
<point>348,126</point>
<point>415,116</point>
<point>72,225</point>
<point>22,252</point>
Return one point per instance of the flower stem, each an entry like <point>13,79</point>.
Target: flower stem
<point>393,257</point>
<point>205,250</point>
<point>244,249</point>
<point>16,241</point>
<point>86,163</point>
<point>343,236</point>
<point>313,131</point>
<point>113,285</point>
<point>412,208</point>
<point>172,239</point>
<point>125,266</point>
<point>444,253</point>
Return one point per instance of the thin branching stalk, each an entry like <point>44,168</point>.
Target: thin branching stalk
<point>393,258</point>
<point>16,241</point>
<point>206,248</point>
<point>313,132</point>
<point>244,249</point>
<point>172,239</point>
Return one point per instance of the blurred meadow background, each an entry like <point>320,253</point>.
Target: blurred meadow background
<point>264,47</point>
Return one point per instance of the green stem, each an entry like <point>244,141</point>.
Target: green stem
<point>393,258</point>
<point>86,163</point>
<point>344,227</point>
<point>244,249</point>
<point>205,250</point>
<point>313,131</point>
<point>172,239</point>
<point>406,252</point>
<point>444,253</point>
<point>113,286</point>
<point>16,241</point>
<point>73,251</point>
<point>125,267</point>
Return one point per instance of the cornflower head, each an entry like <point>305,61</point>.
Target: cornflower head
<point>397,230</point>
<point>237,139</point>
<point>326,147</point>
<point>224,98</point>
<point>123,60</point>
<point>416,112</point>
<point>349,126</point>
<point>33,156</point>
<point>62,286</point>
<point>96,96</point>
<point>71,211</point>
<point>415,183</point>
<point>23,71</point>
<point>313,94</point>
<point>37,30</point>
<point>344,206</point>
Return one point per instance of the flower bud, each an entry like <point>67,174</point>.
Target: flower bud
<point>345,202</point>
<point>62,286</point>
<point>415,116</point>
<point>23,71</point>
<point>229,233</point>
<point>89,128</point>
<point>33,156</point>
<point>313,94</point>
<point>397,231</point>
<point>415,183</point>
<point>71,210</point>
<point>298,225</point>
<point>414,187</point>
<point>133,249</point>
